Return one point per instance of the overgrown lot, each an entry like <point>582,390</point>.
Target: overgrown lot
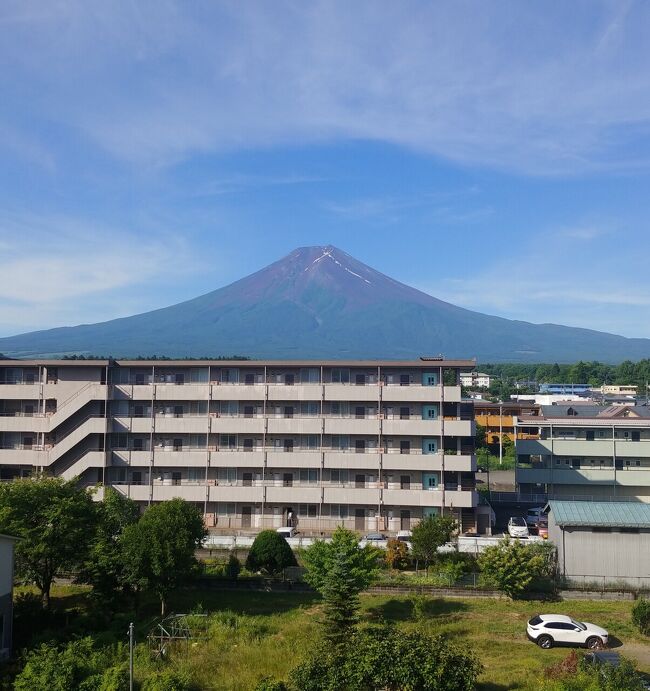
<point>253,635</point>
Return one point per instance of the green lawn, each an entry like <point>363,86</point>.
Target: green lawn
<point>270,632</point>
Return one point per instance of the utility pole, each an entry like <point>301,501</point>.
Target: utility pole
<point>500,432</point>
<point>131,656</point>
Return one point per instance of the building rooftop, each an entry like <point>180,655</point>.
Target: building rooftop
<point>581,412</point>
<point>605,514</point>
<point>422,363</point>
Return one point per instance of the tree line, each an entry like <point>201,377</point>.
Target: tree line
<point>593,373</point>
<point>109,545</point>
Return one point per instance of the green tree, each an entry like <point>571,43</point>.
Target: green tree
<point>511,566</point>
<point>641,615</point>
<point>397,554</point>
<point>429,534</point>
<point>480,436</point>
<point>389,658</point>
<point>105,568</point>
<point>159,549</point>
<point>339,570</point>
<point>55,521</point>
<point>270,553</point>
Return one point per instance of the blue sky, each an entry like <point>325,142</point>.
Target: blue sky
<point>496,155</point>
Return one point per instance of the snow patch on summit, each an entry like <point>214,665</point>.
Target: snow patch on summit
<point>328,253</point>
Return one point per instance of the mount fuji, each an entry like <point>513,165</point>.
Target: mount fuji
<point>319,302</point>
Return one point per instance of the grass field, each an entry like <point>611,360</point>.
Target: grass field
<point>251,635</point>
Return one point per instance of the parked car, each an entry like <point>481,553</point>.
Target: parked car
<point>548,630</point>
<point>517,527</point>
<point>533,515</point>
<point>541,528</point>
<point>377,539</point>
<point>405,537</point>
<point>288,531</point>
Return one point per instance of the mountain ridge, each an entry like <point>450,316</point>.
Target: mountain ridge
<point>319,301</point>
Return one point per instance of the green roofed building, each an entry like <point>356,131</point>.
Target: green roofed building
<point>604,543</point>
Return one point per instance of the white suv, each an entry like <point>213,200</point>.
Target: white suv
<point>548,630</point>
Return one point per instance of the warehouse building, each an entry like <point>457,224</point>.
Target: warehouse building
<point>602,543</point>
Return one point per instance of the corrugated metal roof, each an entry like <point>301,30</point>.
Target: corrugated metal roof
<point>614,514</point>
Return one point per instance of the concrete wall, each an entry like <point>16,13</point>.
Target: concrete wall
<point>609,556</point>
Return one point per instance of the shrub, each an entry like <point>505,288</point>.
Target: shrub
<point>449,574</point>
<point>270,684</point>
<point>397,554</point>
<point>75,666</point>
<point>511,567</point>
<point>232,568</point>
<point>388,658</point>
<point>167,680</point>
<point>641,615</point>
<point>270,553</point>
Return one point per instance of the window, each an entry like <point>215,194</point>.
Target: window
<point>310,408</point>
<point>309,476</point>
<point>360,445</point>
<point>630,530</point>
<point>340,442</point>
<point>404,413</point>
<point>310,375</point>
<point>311,442</point>
<point>340,376</point>
<point>228,441</point>
<point>136,477</point>
<point>138,444</point>
<point>249,378</point>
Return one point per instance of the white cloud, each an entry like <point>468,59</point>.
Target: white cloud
<point>62,270</point>
<point>580,275</point>
<point>562,88</point>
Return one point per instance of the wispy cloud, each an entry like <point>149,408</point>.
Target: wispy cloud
<point>241,182</point>
<point>58,270</point>
<point>554,92</point>
<point>582,275</point>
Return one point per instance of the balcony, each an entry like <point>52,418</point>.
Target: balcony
<point>295,425</point>
<point>19,391</point>
<point>351,460</point>
<point>237,458</point>
<point>352,392</point>
<point>303,494</point>
<point>352,495</point>
<point>237,425</point>
<point>238,392</point>
<point>352,425</point>
<point>295,392</point>
<point>294,459</point>
<point>413,427</point>
<point>236,493</point>
<point>10,422</point>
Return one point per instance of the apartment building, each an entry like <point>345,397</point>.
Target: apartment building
<point>586,452</point>
<point>366,444</point>
<point>499,419</point>
<point>476,380</point>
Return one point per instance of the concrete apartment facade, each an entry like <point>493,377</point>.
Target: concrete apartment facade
<point>366,444</point>
<point>586,452</point>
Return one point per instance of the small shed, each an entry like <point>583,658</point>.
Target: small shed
<point>602,542</point>
<point>6,593</point>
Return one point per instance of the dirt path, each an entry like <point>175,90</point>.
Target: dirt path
<point>639,652</point>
